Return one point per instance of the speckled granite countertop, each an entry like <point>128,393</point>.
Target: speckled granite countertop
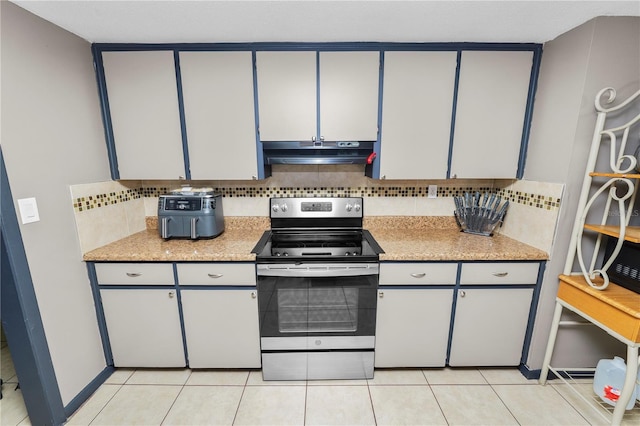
<point>402,238</point>
<point>439,238</point>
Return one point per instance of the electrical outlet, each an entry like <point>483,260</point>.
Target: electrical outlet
<point>433,191</point>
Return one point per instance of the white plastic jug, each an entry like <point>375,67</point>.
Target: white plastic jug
<point>609,380</point>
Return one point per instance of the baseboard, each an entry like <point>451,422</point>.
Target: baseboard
<point>85,393</point>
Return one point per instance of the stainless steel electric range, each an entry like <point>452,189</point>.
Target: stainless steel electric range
<point>317,271</point>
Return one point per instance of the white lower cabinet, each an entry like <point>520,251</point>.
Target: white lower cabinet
<point>143,327</point>
<point>221,328</point>
<point>412,327</point>
<point>490,326</point>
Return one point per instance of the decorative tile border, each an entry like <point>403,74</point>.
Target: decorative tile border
<point>532,200</point>
<point>100,200</point>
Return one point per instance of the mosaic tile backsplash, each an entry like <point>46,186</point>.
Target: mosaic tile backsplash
<point>539,201</point>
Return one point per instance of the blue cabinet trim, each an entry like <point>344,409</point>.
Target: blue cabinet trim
<point>327,47</point>
<point>97,302</point>
<point>183,123</point>
<point>528,115</point>
<point>106,111</point>
<point>454,106</point>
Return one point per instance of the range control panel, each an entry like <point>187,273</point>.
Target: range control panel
<point>350,207</point>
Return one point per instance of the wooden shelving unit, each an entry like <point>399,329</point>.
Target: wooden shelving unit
<point>632,233</point>
<point>588,291</point>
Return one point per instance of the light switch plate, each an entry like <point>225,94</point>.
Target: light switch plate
<point>28,210</point>
<point>433,191</point>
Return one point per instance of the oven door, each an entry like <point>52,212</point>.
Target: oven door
<point>317,306</point>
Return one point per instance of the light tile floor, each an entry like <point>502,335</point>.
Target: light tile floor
<point>393,397</point>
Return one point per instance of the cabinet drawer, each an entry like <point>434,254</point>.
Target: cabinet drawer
<point>499,273</point>
<point>418,273</point>
<point>217,274</point>
<point>134,273</point>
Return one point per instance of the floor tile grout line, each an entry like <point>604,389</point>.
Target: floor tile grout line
<point>306,395</point>
<point>172,404</point>
<point>244,388</point>
<point>120,386</point>
<point>373,408</point>
<point>504,403</point>
<point>435,397</point>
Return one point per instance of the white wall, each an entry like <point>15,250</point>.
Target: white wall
<point>602,52</point>
<point>52,137</point>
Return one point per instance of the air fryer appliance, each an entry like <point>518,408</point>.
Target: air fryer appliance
<point>190,213</point>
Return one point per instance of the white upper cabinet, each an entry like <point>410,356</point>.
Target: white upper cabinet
<point>286,95</point>
<point>490,113</point>
<point>289,92</point>
<point>143,101</point>
<point>349,84</point>
<point>417,102</point>
<point>219,114</point>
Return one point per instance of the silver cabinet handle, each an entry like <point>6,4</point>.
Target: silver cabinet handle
<point>418,275</point>
<point>172,294</point>
<point>381,294</point>
<point>500,274</point>
<point>253,295</point>
<point>215,275</point>
<point>462,293</point>
<point>133,274</point>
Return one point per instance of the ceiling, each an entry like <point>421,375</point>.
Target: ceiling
<point>208,21</point>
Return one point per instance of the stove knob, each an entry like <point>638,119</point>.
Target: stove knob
<point>284,207</point>
<point>285,253</point>
<point>346,254</point>
<point>357,207</point>
<point>278,253</point>
<point>275,208</point>
<point>355,253</point>
<point>349,207</point>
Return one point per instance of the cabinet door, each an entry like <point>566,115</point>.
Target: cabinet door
<point>417,102</point>
<point>489,327</point>
<point>490,113</point>
<point>412,327</point>
<point>221,328</point>
<point>143,101</point>
<point>287,95</point>
<point>144,328</point>
<point>219,114</point>
<point>349,84</point>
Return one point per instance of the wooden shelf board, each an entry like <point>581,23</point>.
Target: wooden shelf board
<point>613,175</point>
<point>632,233</point>
<point>615,307</point>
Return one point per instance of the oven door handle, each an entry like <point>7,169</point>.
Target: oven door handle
<point>318,270</point>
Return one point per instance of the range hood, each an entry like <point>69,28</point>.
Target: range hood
<point>319,152</point>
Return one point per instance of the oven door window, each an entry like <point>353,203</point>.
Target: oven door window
<point>321,309</point>
<point>329,305</point>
